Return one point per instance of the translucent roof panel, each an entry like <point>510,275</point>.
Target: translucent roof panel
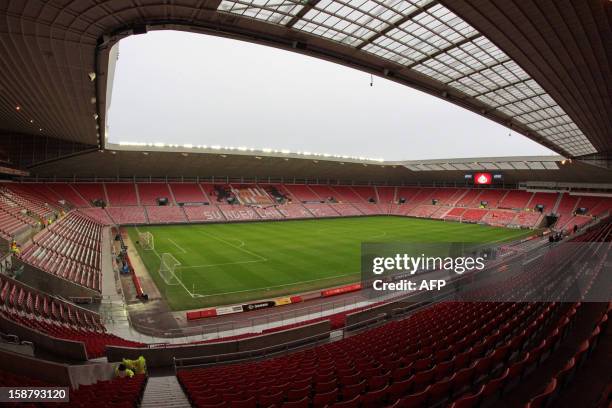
<point>428,38</point>
<point>273,11</point>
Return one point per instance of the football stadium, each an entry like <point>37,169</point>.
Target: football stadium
<point>189,273</point>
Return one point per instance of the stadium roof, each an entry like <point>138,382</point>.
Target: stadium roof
<point>149,163</point>
<point>542,68</point>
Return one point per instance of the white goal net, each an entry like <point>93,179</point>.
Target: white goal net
<point>168,269</point>
<point>146,240</point>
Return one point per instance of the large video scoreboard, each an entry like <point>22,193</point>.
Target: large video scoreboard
<point>481,179</point>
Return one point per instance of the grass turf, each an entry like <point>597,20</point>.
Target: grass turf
<point>234,263</point>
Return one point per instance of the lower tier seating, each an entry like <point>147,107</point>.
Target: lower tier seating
<point>165,214</point>
<point>116,393</point>
<point>56,317</point>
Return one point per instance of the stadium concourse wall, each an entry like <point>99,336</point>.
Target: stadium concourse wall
<point>164,356</point>
<point>48,283</point>
<point>35,368</point>
<point>67,349</point>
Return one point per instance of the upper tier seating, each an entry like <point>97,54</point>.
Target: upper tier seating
<point>12,219</point>
<point>218,193</point>
<point>492,197</point>
<point>116,393</point>
<point>150,192</point>
<point>602,207</point>
<point>577,220</point>
<point>302,193</point>
<point>566,208</point>
<point>407,193</point>
<point>90,191</point>
<point>447,196</point>
<point>127,215</point>
<point>548,200</point>
<point>121,194</point>
<point>277,192</point>
<point>516,199</point>
<point>366,193</point>
<point>250,194</point>
<point>204,213</point>
<point>34,204</point>
<point>346,194</point>
<point>386,195</point>
<point>38,191</point>
<point>188,193</point>
<point>324,191</point>
<point>98,214</point>
<point>470,199</point>
<point>424,196</point>
<point>165,214</point>
<point>68,193</point>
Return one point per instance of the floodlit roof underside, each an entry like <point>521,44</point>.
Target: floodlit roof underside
<point>427,37</point>
<point>539,67</point>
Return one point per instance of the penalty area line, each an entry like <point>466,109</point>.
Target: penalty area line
<point>177,245</point>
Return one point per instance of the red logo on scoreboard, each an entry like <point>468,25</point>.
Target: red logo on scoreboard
<point>483,178</point>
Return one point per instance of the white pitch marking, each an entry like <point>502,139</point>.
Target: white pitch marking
<point>278,286</point>
<point>177,245</point>
<point>220,264</point>
<point>234,246</point>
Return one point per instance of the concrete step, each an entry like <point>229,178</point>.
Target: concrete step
<point>164,392</point>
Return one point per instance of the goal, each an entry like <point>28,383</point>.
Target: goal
<point>168,268</point>
<point>146,240</point>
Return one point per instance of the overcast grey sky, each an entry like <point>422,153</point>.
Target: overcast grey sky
<point>183,88</point>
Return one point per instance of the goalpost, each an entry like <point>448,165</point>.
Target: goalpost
<point>167,268</point>
<point>146,240</point>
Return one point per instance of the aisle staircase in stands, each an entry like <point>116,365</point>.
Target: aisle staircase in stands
<point>164,392</point>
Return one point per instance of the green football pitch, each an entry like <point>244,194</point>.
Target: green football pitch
<point>233,263</point>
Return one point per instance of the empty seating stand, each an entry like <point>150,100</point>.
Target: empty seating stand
<point>302,193</point>
<point>165,214</point>
<point>204,213</point>
<point>116,393</point>
<point>91,191</point>
<point>188,193</point>
<point>57,318</point>
<point>149,193</point>
<point>70,249</point>
<point>127,215</point>
<point>121,194</point>
<point>516,199</point>
<point>130,203</point>
<point>434,354</point>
